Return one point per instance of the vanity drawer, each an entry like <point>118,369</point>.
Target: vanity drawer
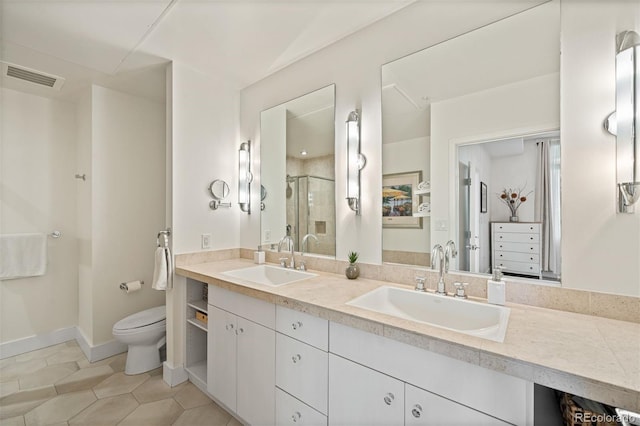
<point>302,371</point>
<point>256,310</point>
<point>517,227</point>
<point>290,411</point>
<point>516,237</point>
<point>517,247</point>
<point>304,327</point>
<point>520,267</point>
<point>518,257</point>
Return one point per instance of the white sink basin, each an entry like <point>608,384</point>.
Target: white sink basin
<point>463,316</point>
<point>269,275</point>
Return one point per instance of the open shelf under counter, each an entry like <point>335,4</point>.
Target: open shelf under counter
<point>200,305</point>
<point>198,370</point>
<point>201,325</point>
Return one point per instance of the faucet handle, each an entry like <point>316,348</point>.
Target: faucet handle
<point>420,283</point>
<point>460,290</point>
<point>283,262</point>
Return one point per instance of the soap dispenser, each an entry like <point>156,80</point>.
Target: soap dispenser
<point>258,256</point>
<point>496,288</point>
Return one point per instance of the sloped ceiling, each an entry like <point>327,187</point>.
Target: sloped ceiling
<point>241,41</point>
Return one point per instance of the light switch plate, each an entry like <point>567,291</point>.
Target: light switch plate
<point>206,241</point>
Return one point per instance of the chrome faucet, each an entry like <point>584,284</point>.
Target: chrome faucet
<point>303,266</point>
<point>449,253</point>
<point>283,260</point>
<point>437,255</point>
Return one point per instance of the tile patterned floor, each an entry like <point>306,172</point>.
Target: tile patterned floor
<point>58,386</point>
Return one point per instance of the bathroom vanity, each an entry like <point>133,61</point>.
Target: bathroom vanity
<point>298,353</point>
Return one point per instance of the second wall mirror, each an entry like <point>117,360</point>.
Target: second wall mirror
<point>463,121</point>
<point>297,145</point>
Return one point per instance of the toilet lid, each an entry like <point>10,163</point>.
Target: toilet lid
<point>142,319</point>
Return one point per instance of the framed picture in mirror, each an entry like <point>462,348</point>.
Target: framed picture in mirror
<point>400,200</point>
<point>483,197</point>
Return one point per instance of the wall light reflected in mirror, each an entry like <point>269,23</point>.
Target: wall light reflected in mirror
<point>624,123</point>
<point>244,177</point>
<point>355,161</point>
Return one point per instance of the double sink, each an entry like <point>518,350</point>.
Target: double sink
<point>463,316</point>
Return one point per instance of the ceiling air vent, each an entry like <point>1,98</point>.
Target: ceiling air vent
<point>32,76</point>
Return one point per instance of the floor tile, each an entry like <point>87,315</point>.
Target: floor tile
<point>7,361</point>
<point>118,384</point>
<point>60,409</point>
<point>206,415</point>
<point>190,397</point>
<point>83,379</point>
<point>234,422</point>
<point>7,388</point>
<point>158,413</point>
<point>20,403</point>
<point>155,389</point>
<point>40,353</point>
<point>15,370</point>
<point>84,363</point>
<point>66,354</point>
<point>47,375</point>
<point>107,411</point>
<point>14,421</point>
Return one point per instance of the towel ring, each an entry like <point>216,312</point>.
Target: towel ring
<point>165,234</point>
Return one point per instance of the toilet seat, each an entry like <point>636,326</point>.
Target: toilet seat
<point>150,317</point>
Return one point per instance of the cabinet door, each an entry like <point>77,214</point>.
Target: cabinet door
<point>221,356</point>
<point>291,411</point>
<point>256,373</point>
<point>426,408</point>
<point>361,396</point>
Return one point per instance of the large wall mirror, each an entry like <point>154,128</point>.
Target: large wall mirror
<point>297,147</point>
<point>464,122</point>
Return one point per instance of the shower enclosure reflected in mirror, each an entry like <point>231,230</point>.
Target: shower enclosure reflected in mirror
<point>464,112</point>
<point>298,171</point>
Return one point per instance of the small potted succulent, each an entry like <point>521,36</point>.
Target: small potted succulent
<point>353,270</point>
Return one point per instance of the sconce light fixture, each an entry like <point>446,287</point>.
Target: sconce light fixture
<point>624,123</point>
<point>244,177</point>
<point>355,161</point>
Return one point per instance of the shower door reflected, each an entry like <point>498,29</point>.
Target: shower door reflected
<point>311,210</point>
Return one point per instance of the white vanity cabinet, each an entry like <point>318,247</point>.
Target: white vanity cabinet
<point>241,355</point>
<point>361,396</point>
<point>365,368</point>
<point>423,408</point>
<point>301,368</point>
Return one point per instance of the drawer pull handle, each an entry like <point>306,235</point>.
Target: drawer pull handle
<point>388,398</point>
<point>296,358</point>
<point>417,411</point>
<point>296,325</point>
<point>296,416</point>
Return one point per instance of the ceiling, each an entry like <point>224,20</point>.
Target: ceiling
<point>117,42</point>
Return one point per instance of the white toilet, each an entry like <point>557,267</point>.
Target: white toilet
<point>144,332</point>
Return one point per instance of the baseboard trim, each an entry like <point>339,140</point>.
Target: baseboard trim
<point>35,342</point>
<point>173,376</point>
<point>101,351</point>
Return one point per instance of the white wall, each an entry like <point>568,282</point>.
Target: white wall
<point>203,139</point>
<point>38,194</point>
<point>353,64</point>
<point>599,247</point>
<point>402,157</point>
<point>121,205</point>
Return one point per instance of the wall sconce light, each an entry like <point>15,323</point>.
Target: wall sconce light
<point>355,161</point>
<point>244,177</point>
<point>624,122</point>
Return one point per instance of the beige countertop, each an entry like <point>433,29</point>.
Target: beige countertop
<point>593,357</point>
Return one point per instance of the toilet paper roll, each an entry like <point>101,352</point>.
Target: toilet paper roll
<point>133,286</point>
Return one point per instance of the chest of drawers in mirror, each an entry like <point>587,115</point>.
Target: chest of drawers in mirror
<point>517,247</point>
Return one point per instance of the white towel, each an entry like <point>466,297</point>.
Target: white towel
<point>22,255</point>
<point>163,270</point>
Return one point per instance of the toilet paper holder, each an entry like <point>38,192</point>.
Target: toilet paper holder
<point>124,286</point>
